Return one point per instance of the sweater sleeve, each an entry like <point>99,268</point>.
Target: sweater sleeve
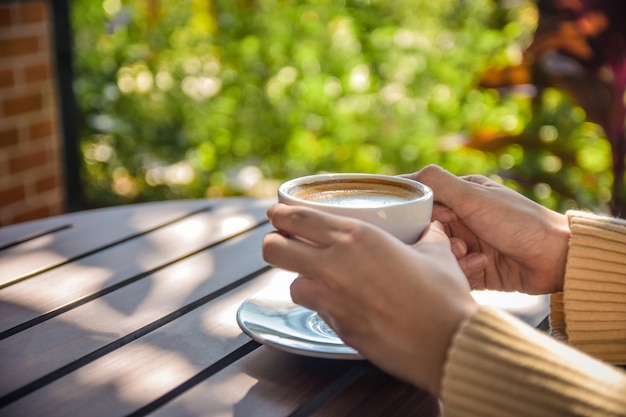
<point>594,295</point>
<point>499,366</point>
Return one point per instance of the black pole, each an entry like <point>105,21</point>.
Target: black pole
<point>62,44</point>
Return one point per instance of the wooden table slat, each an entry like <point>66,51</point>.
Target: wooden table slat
<point>12,241</point>
<point>265,383</point>
<point>378,394</point>
<point>65,339</point>
<point>131,311</point>
<point>149,367</point>
<point>134,217</point>
<point>59,289</point>
<point>84,234</point>
<point>89,232</point>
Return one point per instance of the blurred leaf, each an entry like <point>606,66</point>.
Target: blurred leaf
<point>198,98</point>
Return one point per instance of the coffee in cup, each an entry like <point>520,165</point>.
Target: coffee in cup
<point>401,206</point>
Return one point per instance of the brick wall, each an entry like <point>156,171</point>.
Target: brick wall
<point>31,185</point>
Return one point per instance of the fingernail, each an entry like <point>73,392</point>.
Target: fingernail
<point>458,248</point>
<point>476,261</point>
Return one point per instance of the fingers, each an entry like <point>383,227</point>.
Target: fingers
<point>474,267</point>
<point>443,214</point>
<point>303,239</point>
<point>459,248</point>
<point>479,179</point>
<point>305,291</point>
<point>435,233</point>
<point>284,252</point>
<point>310,225</point>
<point>450,190</point>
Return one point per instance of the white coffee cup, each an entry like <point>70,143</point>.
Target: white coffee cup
<point>401,206</point>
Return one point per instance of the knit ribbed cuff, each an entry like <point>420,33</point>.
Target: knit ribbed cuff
<point>499,366</point>
<point>595,286</point>
<point>557,317</point>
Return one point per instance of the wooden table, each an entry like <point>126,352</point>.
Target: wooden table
<point>132,311</point>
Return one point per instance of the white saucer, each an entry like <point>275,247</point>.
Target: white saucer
<point>273,319</point>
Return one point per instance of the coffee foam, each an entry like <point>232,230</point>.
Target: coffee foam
<point>356,192</point>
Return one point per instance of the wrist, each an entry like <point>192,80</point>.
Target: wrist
<point>456,321</point>
<point>561,235</point>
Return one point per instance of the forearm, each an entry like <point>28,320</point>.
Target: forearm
<point>499,366</point>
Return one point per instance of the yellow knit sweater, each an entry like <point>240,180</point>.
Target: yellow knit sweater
<point>499,366</point>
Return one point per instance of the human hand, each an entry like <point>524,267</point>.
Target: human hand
<point>513,243</point>
<point>398,305</point>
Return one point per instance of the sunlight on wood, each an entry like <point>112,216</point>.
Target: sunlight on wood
<point>176,285</point>
<point>275,284</point>
<point>33,294</point>
<point>509,301</point>
<point>195,402</point>
<point>236,224</point>
<point>24,253</point>
<point>132,383</point>
<point>193,228</point>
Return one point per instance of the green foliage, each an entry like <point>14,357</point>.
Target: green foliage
<point>195,98</point>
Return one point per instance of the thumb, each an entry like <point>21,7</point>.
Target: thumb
<point>452,191</point>
<point>435,233</point>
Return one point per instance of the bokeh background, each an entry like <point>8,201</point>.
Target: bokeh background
<point>210,98</point>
